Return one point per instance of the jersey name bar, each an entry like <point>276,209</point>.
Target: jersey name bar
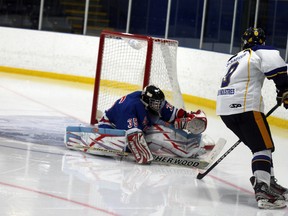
<point>226,91</point>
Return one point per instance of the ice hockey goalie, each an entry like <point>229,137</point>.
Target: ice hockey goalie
<point>145,126</point>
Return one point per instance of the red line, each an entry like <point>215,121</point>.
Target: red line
<point>38,102</point>
<point>232,185</point>
<point>58,197</point>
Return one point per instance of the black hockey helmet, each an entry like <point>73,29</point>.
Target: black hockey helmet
<point>153,98</point>
<point>253,36</point>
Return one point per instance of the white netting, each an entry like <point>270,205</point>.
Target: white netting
<point>164,70</point>
<point>123,68</point>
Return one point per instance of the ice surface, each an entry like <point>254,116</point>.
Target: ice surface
<point>38,176</point>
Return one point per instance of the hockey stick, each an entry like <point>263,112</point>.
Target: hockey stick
<point>202,175</point>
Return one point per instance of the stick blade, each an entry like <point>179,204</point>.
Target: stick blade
<point>200,176</point>
<point>217,150</point>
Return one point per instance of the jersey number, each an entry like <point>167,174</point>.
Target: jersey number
<point>226,78</point>
<point>132,122</point>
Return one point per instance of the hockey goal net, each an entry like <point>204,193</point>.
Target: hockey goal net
<point>129,62</point>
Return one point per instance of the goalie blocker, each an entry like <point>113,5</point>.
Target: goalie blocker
<point>112,142</point>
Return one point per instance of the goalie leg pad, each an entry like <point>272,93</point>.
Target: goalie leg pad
<point>177,143</point>
<point>138,146</point>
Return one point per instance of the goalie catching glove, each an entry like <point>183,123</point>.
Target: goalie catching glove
<point>282,97</point>
<point>194,122</point>
<point>138,146</point>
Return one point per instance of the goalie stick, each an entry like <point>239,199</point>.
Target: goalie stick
<point>199,163</point>
<point>80,144</point>
<point>202,175</point>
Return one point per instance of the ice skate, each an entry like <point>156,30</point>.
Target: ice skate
<point>275,187</point>
<point>266,198</point>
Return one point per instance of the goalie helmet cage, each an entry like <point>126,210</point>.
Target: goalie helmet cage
<point>129,62</point>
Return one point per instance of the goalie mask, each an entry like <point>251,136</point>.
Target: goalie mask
<point>253,36</point>
<point>153,98</point>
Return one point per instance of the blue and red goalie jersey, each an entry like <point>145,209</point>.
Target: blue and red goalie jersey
<point>129,112</point>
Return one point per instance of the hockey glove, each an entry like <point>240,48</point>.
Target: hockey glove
<point>282,97</point>
<point>194,122</point>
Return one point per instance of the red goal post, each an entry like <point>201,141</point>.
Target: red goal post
<point>129,62</point>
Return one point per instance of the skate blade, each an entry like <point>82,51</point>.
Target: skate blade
<point>278,204</point>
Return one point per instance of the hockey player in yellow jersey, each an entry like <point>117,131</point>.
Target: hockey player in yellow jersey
<point>241,107</point>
